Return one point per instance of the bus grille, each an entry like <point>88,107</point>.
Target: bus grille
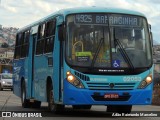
<point>82,76</point>
<point>105,86</point>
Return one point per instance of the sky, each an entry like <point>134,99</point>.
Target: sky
<point>19,13</point>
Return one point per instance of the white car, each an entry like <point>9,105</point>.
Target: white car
<point>6,81</point>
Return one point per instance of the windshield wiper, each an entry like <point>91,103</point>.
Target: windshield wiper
<point>97,52</point>
<point>122,51</point>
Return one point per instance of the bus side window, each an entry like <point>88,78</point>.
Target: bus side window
<point>25,44</point>
<point>21,46</point>
<point>18,46</point>
<point>50,35</point>
<point>40,40</point>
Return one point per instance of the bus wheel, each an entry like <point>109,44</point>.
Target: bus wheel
<point>87,107</point>
<point>51,105</point>
<point>119,108</point>
<point>25,103</point>
<point>36,104</point>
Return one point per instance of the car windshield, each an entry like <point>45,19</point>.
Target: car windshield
<point>108,41</point>
<point>6,76</point>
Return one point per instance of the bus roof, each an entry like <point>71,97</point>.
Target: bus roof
<point>93,9</point>
<point>99,10</point>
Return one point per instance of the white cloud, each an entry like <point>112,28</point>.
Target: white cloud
<point>90,2</point>
<point>22,12</point>
<point>28,2</point>
<point>10,9</point>
<point>7,7</point>
<point>43,6</point>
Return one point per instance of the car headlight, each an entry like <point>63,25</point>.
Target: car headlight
<point>145,82</point>
<point>74,81</point>
<point>3,82</point>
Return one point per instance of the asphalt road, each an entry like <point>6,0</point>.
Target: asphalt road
<point>10,102</point>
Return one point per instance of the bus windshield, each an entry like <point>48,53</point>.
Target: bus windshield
<point>108,41</point>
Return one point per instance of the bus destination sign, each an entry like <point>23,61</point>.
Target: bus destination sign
<point>121,20</point>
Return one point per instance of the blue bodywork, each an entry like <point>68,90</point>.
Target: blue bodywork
<point>75,96</point>
<point>64,92</point>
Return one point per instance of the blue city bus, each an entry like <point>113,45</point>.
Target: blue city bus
<point>84,57</point>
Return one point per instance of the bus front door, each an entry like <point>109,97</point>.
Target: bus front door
<point>31,66</point>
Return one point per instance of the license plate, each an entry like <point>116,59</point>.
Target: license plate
<point>110,96</point>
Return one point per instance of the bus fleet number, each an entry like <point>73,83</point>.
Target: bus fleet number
<point>132,79</point>
<point>83,18</point>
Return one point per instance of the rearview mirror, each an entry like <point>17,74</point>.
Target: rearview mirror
<point>151,38</point>
<point>149,26</point>
<point>150,34</point>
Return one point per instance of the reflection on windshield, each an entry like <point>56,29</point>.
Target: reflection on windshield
<point>97,52</point>
<point>86,48</point>
<point>123,53</point>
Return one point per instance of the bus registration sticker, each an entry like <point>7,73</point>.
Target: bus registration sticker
<point>111,96</point>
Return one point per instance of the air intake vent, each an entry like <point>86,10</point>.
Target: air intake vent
<point>81,76</point>
<point>105,86</point>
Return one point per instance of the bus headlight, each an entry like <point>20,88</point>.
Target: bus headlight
<point>74,81</point>
<point>145,82</point>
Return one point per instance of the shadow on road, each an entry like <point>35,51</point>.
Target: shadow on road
<point>69,112</point>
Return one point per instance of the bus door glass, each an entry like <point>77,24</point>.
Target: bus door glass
<point>31,64</point>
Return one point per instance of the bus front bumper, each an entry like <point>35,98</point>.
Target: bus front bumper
<point>76,96</point>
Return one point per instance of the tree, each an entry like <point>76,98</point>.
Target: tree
<point>4,45</point>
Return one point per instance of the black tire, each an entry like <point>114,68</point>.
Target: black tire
<point>1,89</point>
<point>56,108</point>
<point>87,107</point>
<point>119,108</point>
<point>76,106</point>
<point>36,104</point>
<point>25,102</point>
